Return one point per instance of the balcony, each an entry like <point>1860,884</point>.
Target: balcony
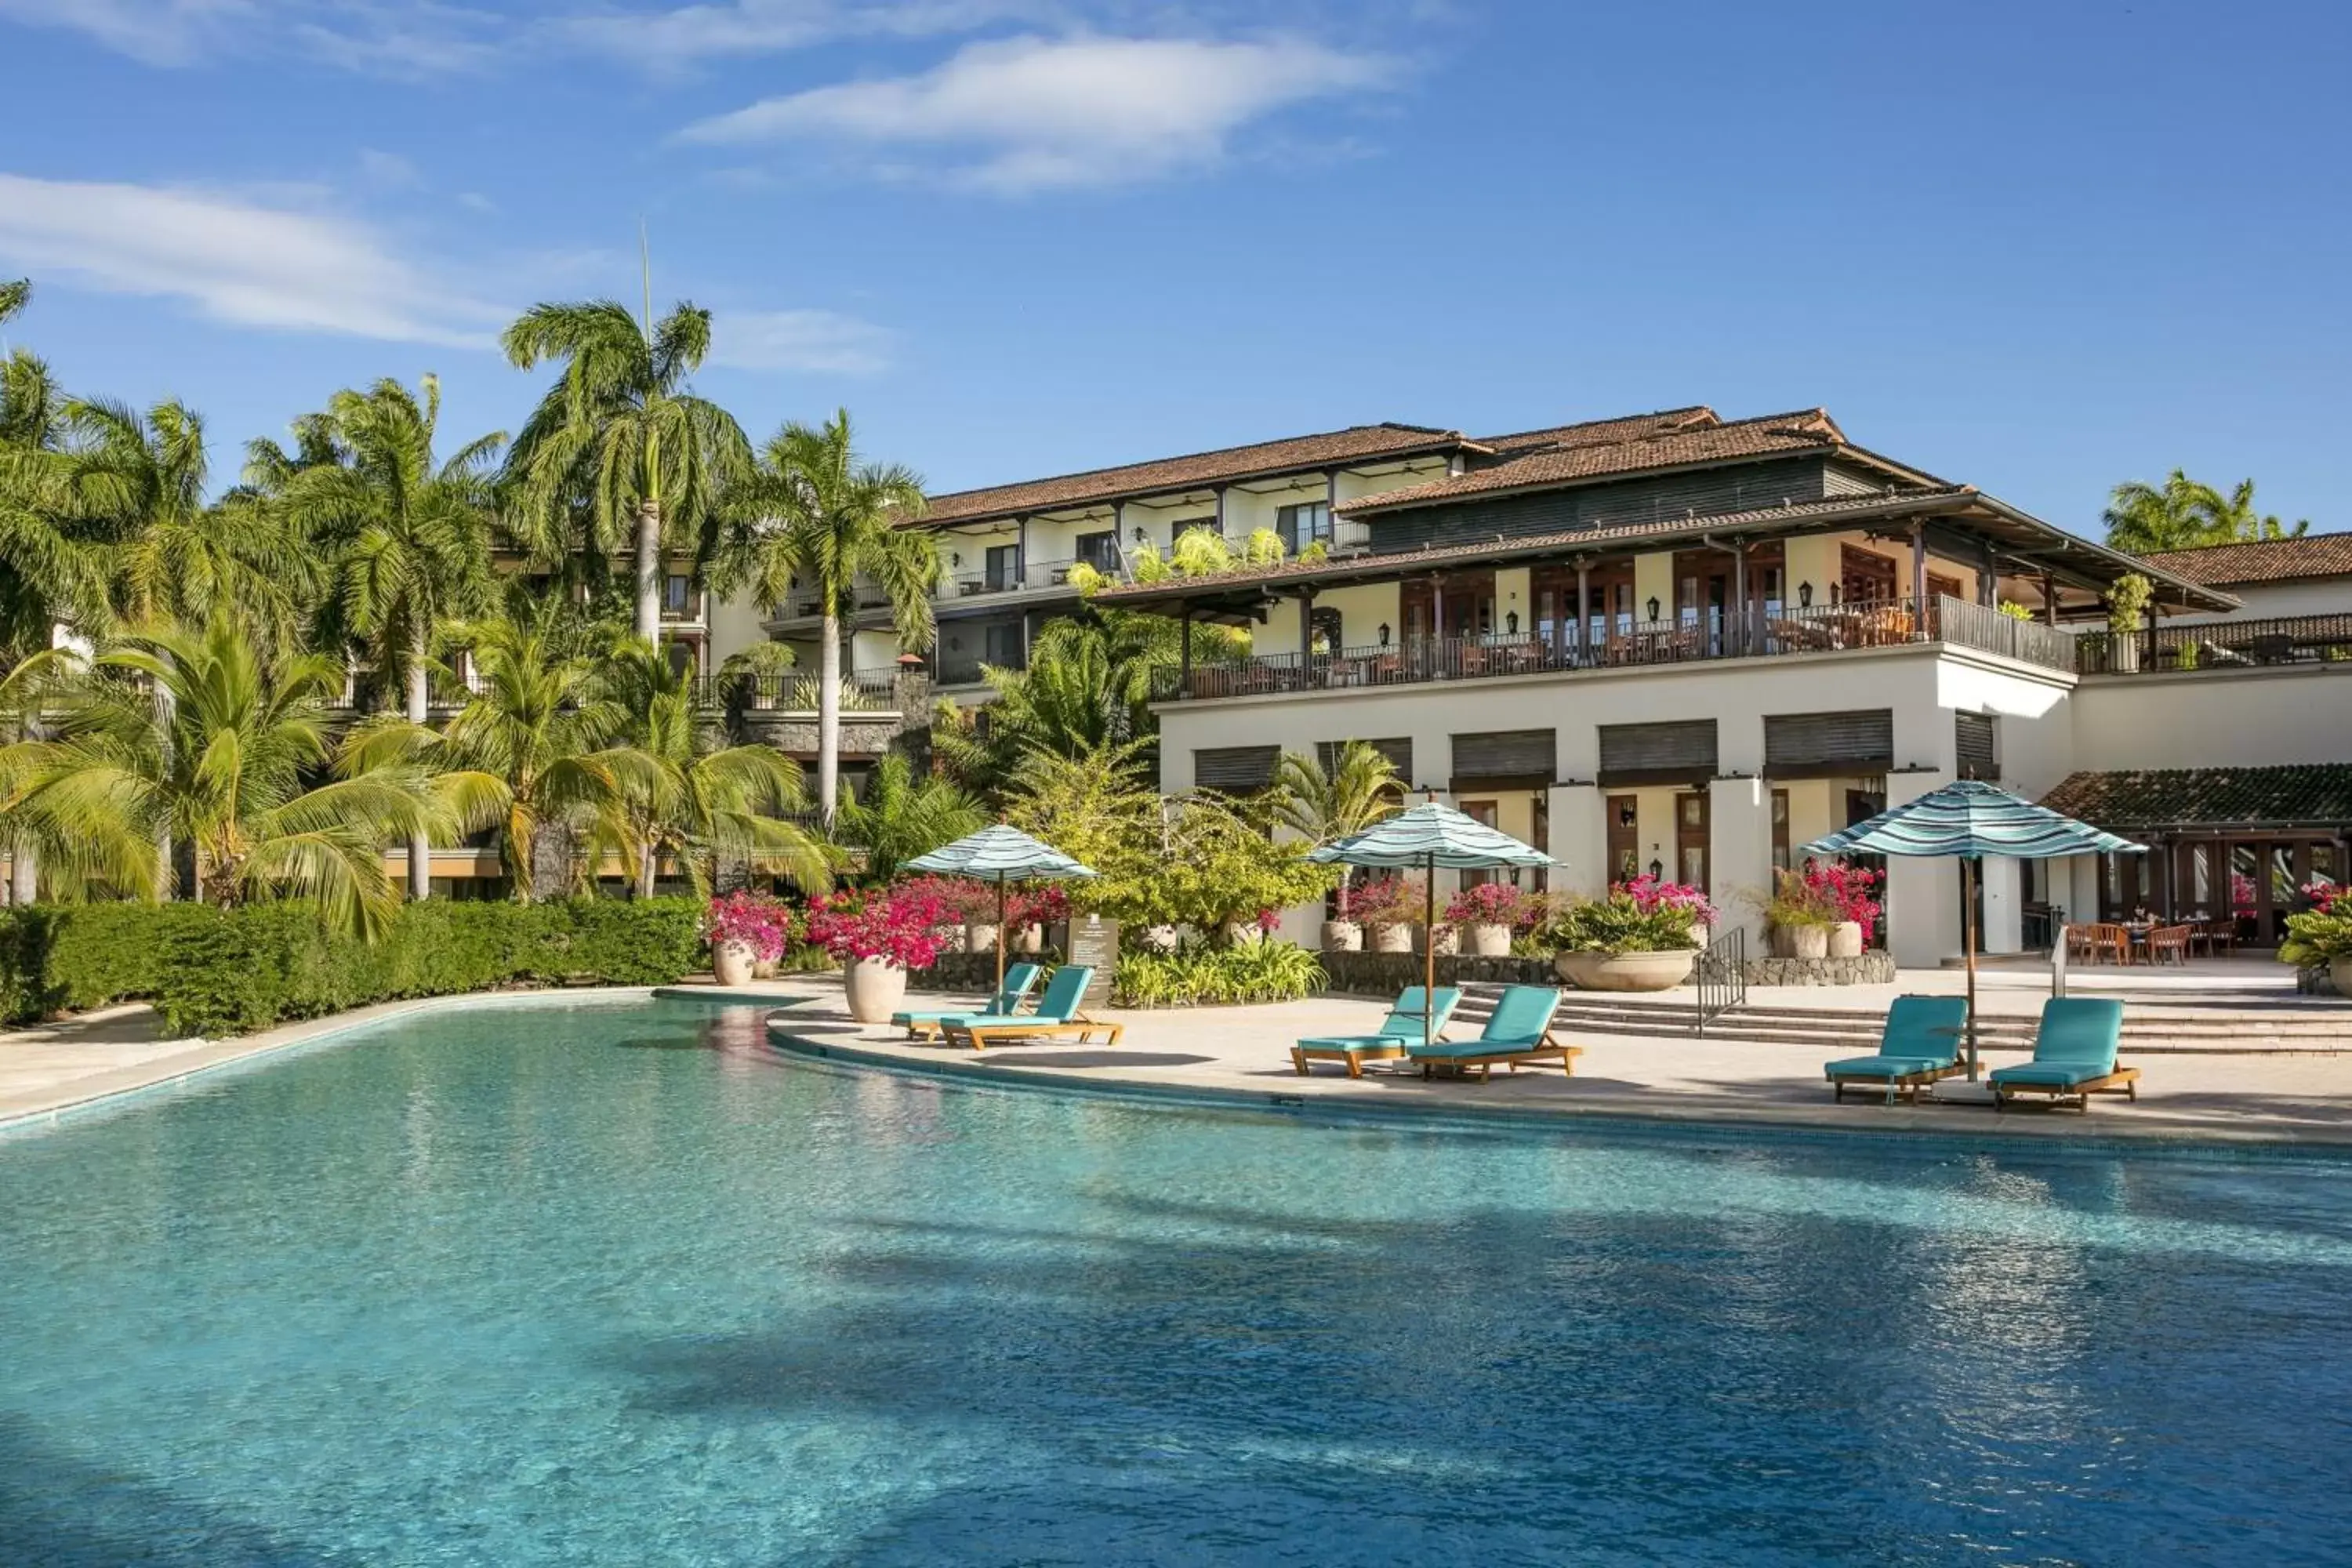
<point>1634,645</point>
<point>2218,645</point>
<point>863,692</point>
<point>1036,576</point>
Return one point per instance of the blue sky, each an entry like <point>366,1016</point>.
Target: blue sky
<point>2039,246</point>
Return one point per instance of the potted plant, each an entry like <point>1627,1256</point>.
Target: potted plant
<point>2321,938</point>
<point>1849,893</point>
<point>1488,912</point>
<point>879,935</point>
<point>744,930</point>
<point>1644,936</point>
<point>1796,917</point>
<point>1033,908</point>
<point>2127,609</point>
<point>1387,907</point>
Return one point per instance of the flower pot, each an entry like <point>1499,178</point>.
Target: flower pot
<point>730,963</point>
<point>1846,940</point>
<point>1157,939</point>
<point>1626,970</point>
<point>2123,653</point>
<point>1490,941</point>
<point>1802,941</point>
<point>978,938</point>
<point>1342,936</point>
<point>1392,938</point>
<point>1238,932</point>
<point>766,968</point>
<point>1029,940</point>
<point>875,988</point>
<point>2339,974</point>
<point>1445,940</point>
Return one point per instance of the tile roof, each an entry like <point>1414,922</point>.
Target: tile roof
<point>1405,561</point>
<point>2314,795</point>
<point>1358,443</point>
<point>1805,429</point>
<point>2261,560</point>
<point>1601,432</point>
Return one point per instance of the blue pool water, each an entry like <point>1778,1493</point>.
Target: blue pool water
<point>615,1285</point>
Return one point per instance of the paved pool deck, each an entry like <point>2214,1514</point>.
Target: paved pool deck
<point>1241,1055</point>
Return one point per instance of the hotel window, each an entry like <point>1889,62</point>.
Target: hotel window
<point>1301,526</point>
<point>1482,812</point>
<point>1099,551</point>
<point>677,593</point>
<point>1780,861</point>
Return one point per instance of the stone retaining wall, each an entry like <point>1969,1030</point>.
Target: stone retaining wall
<point>1873,968</point>
<point>1384,974</point>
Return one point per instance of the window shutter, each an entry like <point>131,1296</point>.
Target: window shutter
<point>1397,748</point>
<point>1506,756</point>
<point>1977,753</point>
<point>1679,752</point>
<point>1235,770</point>
<point>1817,746</point>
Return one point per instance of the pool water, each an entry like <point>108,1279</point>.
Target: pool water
<point>615,1284</point>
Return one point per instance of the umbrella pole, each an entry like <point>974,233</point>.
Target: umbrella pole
<point>1968,947</point>
<point>999,933</point>
<point>1429,953</point>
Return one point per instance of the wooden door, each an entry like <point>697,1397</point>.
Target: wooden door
<point>1482,812</point>
<point>1624,813</point>
<point>1691,840</point>
<point>1864,576</point>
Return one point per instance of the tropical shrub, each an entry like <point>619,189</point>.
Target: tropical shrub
<point>1486,904</point>
<point>761,923</point>
<point>1622,924</point>
<point>1847,893</point>
<point>1652,894</point>
<point>895,925</point>
<point>962,900</point>
<point>1199,974</point>
<point>1387,902</point>
<point>2318,936</point>
<point>1793,902</point>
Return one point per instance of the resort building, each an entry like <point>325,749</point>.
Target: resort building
<point>1677,643</point>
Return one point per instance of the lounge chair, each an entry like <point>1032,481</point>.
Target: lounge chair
<point>1413,1019</point>
<point>1919,1044</point>
<point>1517,1031</point>
<point>1057,1017</point>
<point>1019,981</point>
<point>2073,1055</point>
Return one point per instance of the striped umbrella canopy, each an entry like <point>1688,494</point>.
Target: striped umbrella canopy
<point>1426,837</point>
<point>1000,853</point>
<point>1969,820</point>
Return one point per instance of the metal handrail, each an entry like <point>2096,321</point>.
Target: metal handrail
<point>1721,974</point>
<point>2216,645</point>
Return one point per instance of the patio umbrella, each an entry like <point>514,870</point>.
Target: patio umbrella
<point>1971,819</point>
<point>1001,854</point>
<point>1425,837</point>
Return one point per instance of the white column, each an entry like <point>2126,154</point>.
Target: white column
<point>1923,894</point>
<point>1739,853</point>
<point>1579,840</point>
<point>2004,906</point>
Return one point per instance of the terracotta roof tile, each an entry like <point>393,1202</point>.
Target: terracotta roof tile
<point>2261,560</point>
<point>2317,794</point>
<point>1808,429</point>
<point>1602,432</point>
<point>1358,443</point>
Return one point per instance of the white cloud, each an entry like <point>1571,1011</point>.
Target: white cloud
<point>673,39</point>
<point>236,260</point>
<point>385,38</point>
<point>800,341</point>
<point>1031,113</point>
<point>389,170</point>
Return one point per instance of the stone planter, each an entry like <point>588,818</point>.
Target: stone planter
<point>875,988</point>
<point>2339,974</point>
<point>2123,652</point>
<point>1029,941</point>
<point>1846,940</point>
<point>1157,939</point>
<point>1490,941</point>
<point>1392,938</point>
<point>766,968</point>
<point>1239,932</point>
<point>979,939</point>
<point>1626,970</point>
<point>1445,940</point>
<point>1801,941</point>
<point>1342,936</point>
<point>730,963</point>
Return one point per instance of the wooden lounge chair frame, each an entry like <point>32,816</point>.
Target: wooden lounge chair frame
<point>998,1034</point>
<point>1376,1049</point>
<point>1547,1049</point>
<point>2124,1081</point>
<point>1905,1085</point>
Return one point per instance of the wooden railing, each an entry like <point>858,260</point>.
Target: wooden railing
<point>2218,645</point>
<point>864,691</point>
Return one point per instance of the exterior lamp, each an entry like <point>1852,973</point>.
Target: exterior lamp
<point>1805,595</point>
<point>953,560</point>
<point>1654,606</point>
<point>1140,535</point>
<point>1511,621</point>
<point>1658,870</point>
<point>1384,634</point>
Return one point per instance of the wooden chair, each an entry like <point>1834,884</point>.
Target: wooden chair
<point>2109,943</point>
<point>2169,943</point>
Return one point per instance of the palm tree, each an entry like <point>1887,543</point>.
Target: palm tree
<point>33,687</point>
<point>12,296</point>
<point>618,442</point>
<point>542,731</point>
<point>811,510</point>
<point>1360,789</point>
<point>410,537</point>
<point>700,800</point>
<point>2237,519</point>
<point>222,765</point>
<point>2143,518</point>
<point>48,574</point>
<point>900,816</point>
<point>137,483</point>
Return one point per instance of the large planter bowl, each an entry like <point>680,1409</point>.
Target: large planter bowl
<point>1342,936</point>
<point>731,962</point>
<point>1392,938</point>
<point>875,988</point>
<point>2339,974</point>
<point>1626,970</point>
<point>1846,940</point>
<point>1490,941</point>
<point>979,939</point>
<point>1802,941</point>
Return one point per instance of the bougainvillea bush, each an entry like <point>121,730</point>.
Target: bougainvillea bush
<point>1848,892</point>
<point>1654,895</point>
<point>1387,901</point>
<point>896,926</point>
<point>1488,904</point>
<point>962,900</point>
<point>761,923</point>
<point>1036,904</point>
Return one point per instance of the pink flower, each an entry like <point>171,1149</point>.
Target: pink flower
<point>1651,894</point>
<point>905,926</point>
<point>761,923</point>
<point>1486,904</point>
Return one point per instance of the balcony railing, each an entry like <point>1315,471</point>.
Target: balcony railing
<point>1630,644</point>
<point>1033,576</point>
<point>2218,645</point>
<point>863,691</point>
<point>801,604</point>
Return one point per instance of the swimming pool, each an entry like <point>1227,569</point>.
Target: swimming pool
<point>614,1284</point>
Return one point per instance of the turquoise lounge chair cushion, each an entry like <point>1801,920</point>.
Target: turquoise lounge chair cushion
<point>1402,1026</point>
<point>1883,1067</point>
<point>1058,1006</point>
<point>2077,1042</point>
<point>2053,1075</point>
<point>1481,1046</point>
<point>1929,1026</point>
<point>1019,981</point>
<point>1352,1042</point>
<point>1521,1014</point>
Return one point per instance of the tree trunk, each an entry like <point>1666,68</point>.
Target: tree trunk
<point>649,570</point>
<point>420,845</point>
<point>166,715</point>
<point>23,873</point>
<point>649,858</point>
<point>828,719</point>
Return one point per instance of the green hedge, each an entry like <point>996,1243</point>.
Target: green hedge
<point>225,972</point>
